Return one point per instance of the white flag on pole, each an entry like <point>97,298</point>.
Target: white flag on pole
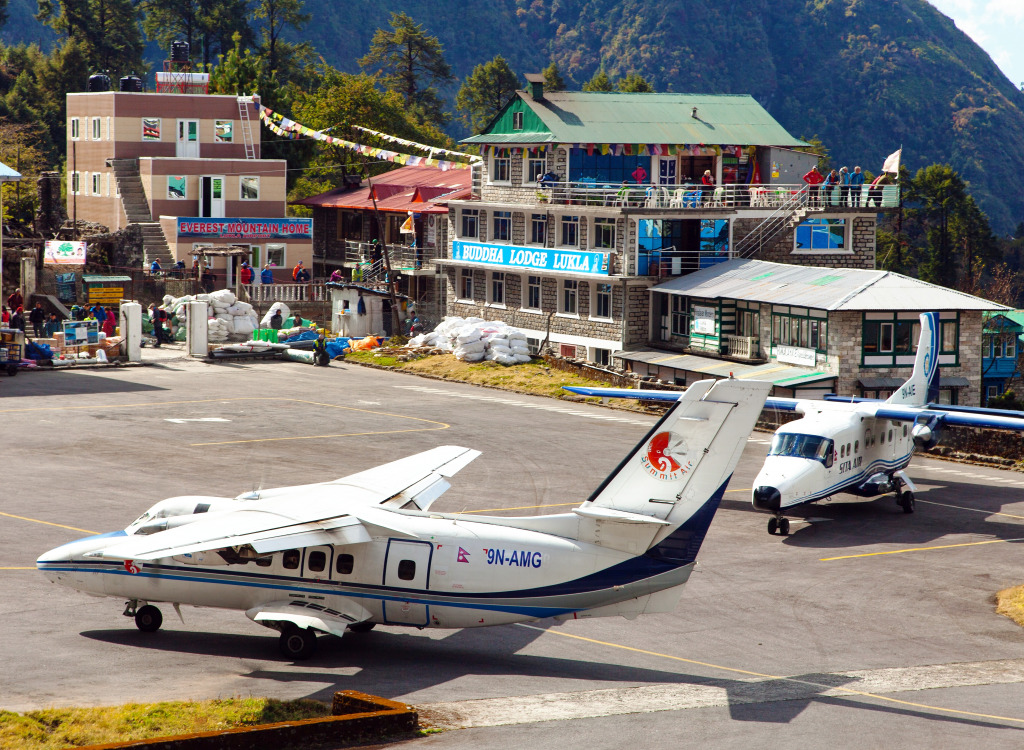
<point>892,162</point>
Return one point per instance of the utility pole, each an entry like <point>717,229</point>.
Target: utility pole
<point>396,318</point>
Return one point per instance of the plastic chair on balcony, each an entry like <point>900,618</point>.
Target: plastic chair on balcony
<point>622,197</point>
<point>719,197</point>
<point>678,199</point>
<point>651,197</point>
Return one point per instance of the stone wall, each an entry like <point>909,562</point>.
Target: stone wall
<point>845,334</point>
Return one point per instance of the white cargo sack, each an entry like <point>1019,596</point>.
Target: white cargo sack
<point>285,312</point>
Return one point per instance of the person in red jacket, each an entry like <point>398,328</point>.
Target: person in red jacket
<point>245,273</point>
<point>813,180</point>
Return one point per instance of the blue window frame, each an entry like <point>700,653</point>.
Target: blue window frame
<point>605,167</point>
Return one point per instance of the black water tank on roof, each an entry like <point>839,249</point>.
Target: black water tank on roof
<point>99,82</point>
<point>130,83</point>
<point>179,52</point>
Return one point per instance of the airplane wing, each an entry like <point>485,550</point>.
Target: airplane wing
<point>306,614</point>
<point>989,418</point>
<point>420,478</point>
<point>772,402</point>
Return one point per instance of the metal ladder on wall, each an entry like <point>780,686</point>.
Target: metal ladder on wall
<point>244,109</point>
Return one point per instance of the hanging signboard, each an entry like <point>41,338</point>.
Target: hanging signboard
<point>64,252</point>
<point>703,320</point>
<point>795,355</point>
<point>538,258</point>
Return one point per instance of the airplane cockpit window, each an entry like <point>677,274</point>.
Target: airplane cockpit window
<point>316,561</point>
<point>813,447</point>
<point>345,564</point>
<point>407,570</point>
<point>290,559</point>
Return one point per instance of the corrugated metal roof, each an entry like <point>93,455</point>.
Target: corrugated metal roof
<point>784,375</point>
<point>615,117</point>
<point>820,288</point>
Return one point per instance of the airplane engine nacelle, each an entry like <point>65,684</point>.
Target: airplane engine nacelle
<point>876,484</point>
<point>926,435</point>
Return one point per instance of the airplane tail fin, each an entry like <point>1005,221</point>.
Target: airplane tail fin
<point>923,386</point>
<point>663,496</point>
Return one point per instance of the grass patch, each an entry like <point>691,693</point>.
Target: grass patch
<point>533,377</point>
<point>54,728</point>
<point>1010,603</point>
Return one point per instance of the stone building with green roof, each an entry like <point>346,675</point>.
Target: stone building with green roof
<point>584,200</point>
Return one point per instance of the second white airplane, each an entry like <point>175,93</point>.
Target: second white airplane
<point>853,445</point>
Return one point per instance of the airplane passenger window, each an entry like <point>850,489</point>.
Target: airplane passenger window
<point>856,446</point>
<point>890,434</point>
<point>904,430</point>
<point>290,559</point>
<point>345,564</point>
<point>848,451</point>
<point>842,451</point>
<point>264,562</point>
<point>407,570</point>
<point>317,561</point>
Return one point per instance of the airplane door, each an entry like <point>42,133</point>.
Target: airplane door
<point>211,196</point>
<point>407,566</point>
<point>188,139</point>
<point>318,563</point>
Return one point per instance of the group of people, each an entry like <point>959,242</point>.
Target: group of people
<point>843,188</point>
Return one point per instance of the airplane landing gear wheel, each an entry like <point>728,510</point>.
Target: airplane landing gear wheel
<point>906,501</point>
<point>773,525</point>
<point>783,526</point>
<point>297,643</point>
<point>362,627</point>
<point>148,619</point>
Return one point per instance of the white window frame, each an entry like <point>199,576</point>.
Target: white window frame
<point>610,294</point>
<point>75,179</point>
<point>564,222</point>
<point>530,285</point>
<point>847,248</point>
<point>273,247</point>
<point>492,170</point>
<point>528,161</point>
<point>96,129</point>
<point>495,216</point>
<point>496,289</point>
<point>241,194</point>
<point>602,221</point>
<point>465,285</point>
<point>533,223</point>
<point>517,120</point>
<point>596,358</point>
<point>1010,347</point>
<point>97,183</point>
<point>570,291</point>
<point>463,214</point>
<point>75,128</point>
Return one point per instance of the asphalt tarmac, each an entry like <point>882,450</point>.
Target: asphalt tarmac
<point>864,628</point>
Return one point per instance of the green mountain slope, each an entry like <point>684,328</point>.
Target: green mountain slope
<point>866,76</point>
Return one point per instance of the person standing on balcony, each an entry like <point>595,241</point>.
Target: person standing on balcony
<point>299,274</point>
<point>813,180</point>
<point>266,275</point>
<point>336,276</point>
<point>844,186</point>
<point>875,190</point>
<point>639,174</point>
<point>856,185</point>
<point>828,189</point>
<point>245,273</point>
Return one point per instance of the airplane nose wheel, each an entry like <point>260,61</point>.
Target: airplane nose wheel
<point>780,525</point>
<point>906,501</point>
<point>297,643</point>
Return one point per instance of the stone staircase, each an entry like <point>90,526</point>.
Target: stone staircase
<point>136,208</point>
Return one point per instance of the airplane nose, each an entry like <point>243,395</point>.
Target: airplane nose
<point>767,498</point>
<point>49,563</point>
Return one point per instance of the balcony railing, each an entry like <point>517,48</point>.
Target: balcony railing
<point>743,347</point>
<point>309,292</point>
<point>689,196</point>
<point>402,257</point>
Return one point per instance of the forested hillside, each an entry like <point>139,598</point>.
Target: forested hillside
<point>864,76</point>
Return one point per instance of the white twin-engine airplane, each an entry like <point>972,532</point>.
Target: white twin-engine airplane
<point>365,549</point>
<point>854,445</point>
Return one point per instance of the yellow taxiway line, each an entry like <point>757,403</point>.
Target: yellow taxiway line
<point>796,680</point>
<point>920,549</point>
<point>48,523</point>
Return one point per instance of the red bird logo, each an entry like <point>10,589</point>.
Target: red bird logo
<point>662,449</point>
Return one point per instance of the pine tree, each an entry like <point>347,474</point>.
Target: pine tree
<point>553,80</point>
<point>485,91</point>
<point>636,84</point>
<point>408,60</point>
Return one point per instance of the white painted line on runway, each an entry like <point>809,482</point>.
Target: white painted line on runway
<point>197,419</point>
<point>589,704</point>
<point>525,405</point>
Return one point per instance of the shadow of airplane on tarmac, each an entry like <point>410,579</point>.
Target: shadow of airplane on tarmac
<point>393,663</point>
